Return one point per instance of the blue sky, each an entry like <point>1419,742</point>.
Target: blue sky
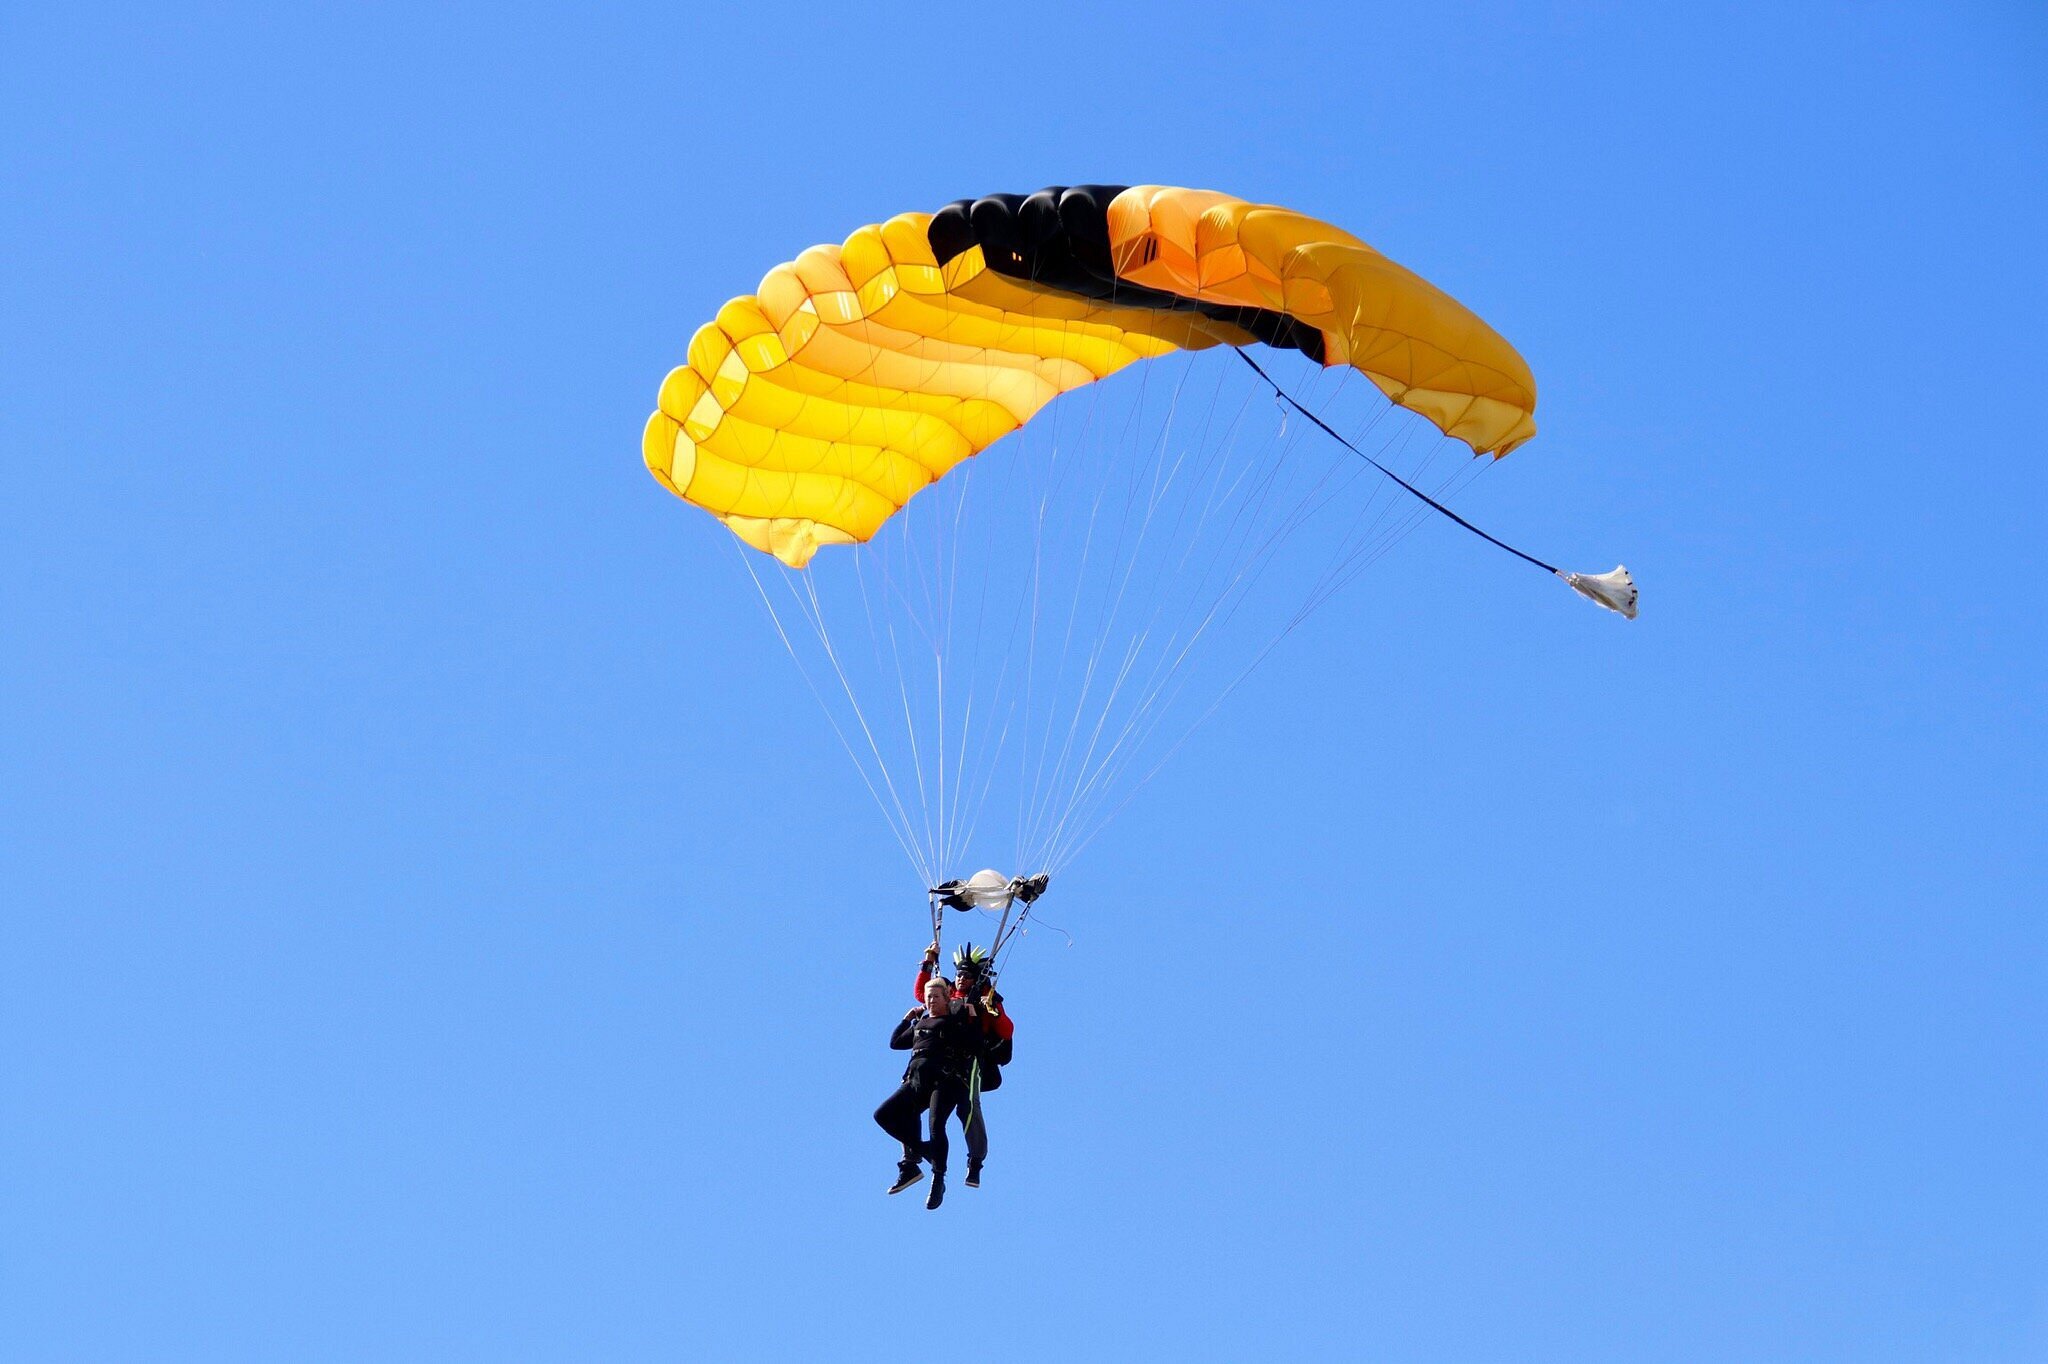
<point>430,931</point>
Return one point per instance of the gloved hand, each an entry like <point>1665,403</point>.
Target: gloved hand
<point>931,957</point>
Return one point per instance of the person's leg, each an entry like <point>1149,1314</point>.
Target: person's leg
<point>975,1119</point>
<point>940,1104</point>
<point>898,1117</point>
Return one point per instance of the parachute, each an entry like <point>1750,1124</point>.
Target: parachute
<point>811,411</point>
<point>1039,628</point>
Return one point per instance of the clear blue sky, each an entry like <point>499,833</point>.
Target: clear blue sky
<point>412,949</point>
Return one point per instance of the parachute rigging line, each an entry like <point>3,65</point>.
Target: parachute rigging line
<point>903,831</point>
<point>1288,398</point>
<point>1616,591</point>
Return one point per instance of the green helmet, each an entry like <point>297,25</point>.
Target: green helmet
<point>968,957</point>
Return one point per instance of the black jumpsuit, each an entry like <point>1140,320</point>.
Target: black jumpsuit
<point>942,1050</point>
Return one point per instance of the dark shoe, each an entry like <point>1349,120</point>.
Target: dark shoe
<point>938,1193</point>
<point>973,1180</point>
<point>907,1174</point>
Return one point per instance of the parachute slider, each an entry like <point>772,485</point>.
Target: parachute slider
<point>1616,591</point>
<point>989,889</point>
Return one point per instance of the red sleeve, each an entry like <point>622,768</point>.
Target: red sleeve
<point>1001,1022</point>
<point>924,974</point>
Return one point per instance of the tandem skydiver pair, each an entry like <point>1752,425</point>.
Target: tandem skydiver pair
<point>959,1038</point>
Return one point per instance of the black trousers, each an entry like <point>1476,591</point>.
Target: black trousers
<point>916,1100</point>
<point>973,1121</point>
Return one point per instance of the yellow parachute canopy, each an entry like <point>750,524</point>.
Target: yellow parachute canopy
<point>812,410</point>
